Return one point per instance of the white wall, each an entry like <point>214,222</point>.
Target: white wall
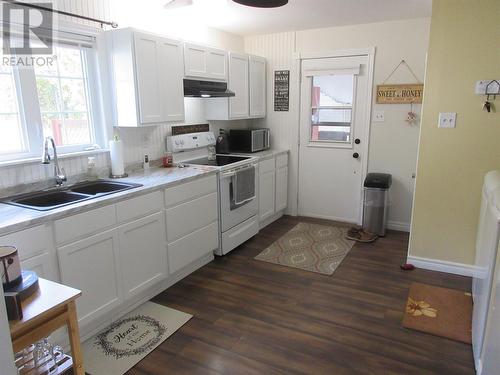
<point>393,143</point>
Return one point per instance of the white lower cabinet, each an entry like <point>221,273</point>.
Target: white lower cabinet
<point>192,222</point>
<point>93,266</point>
<point>267,196</point>
<point>36,249</point>
<point>143,253</point>
<point>192,247</point>
<point>281,199</point>
<point>273,188</point>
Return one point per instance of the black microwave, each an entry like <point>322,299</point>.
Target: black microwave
<point>249,140</point>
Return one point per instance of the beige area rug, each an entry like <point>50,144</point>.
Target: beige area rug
<point>310,247</point>
<point>439,311</point>
<point>128,340</point>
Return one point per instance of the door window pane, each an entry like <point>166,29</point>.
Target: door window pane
<point>63,97</point>
<point>12,137</point>
<point>331,108</point>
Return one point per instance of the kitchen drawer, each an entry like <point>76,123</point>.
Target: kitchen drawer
<point>30,242</point>
<point>239,234</point>
<point>281,160</point>
<point>190,190</point>
<point>267,165</point>
<point>76,226</point>
<point>190,216</point>
<point>192,247</point>
<point>139,206</point>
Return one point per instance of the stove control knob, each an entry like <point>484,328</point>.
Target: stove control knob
<point>176,142</point>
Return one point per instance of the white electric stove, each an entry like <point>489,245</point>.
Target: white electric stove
<point>237,222</point>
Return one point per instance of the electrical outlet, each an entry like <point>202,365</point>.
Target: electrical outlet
<point>378,116</point>
<point>447,120</point>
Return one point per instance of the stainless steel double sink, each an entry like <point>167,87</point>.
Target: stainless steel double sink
<point>54,198</point>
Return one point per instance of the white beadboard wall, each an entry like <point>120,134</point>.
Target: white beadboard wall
<point>278,49</point>
<point>100,9</point>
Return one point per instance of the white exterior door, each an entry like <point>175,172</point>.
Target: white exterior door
<point>334,123</point>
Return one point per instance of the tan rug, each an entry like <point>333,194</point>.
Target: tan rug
<point>310,247</point>
<point>128,340</point>
<point>439,311</point>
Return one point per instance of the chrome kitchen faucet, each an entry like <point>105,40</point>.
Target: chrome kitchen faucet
<point>59,173</point>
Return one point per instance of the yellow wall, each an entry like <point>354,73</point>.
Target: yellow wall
<point>464,47</point>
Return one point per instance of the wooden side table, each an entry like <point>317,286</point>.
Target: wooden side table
<point>51,307</point>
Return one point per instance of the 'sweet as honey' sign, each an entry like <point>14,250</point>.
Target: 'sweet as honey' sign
<point>400,94</point>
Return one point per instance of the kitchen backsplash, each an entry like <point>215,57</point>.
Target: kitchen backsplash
<point>137,141</point>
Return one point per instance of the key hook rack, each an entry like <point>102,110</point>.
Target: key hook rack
<point>488,106</point>
<point>495,94</point>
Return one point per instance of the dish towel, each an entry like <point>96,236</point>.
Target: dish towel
<point>244,185</point>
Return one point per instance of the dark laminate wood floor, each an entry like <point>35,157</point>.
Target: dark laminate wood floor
<point>252,317</point>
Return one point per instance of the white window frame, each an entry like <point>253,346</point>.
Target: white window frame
<point>30,114</point>
<point>332,143</point>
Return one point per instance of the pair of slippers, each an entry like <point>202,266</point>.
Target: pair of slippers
<point>358,234</point>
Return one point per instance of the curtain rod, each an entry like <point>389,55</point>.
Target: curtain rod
<point>114,25</point>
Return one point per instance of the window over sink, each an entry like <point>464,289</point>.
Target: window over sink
<point>59,97</point>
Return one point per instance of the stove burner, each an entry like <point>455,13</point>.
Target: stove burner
<point>220,161</point>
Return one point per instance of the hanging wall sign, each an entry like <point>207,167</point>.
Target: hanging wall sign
<point>281,90</point>
<point>400,94</point>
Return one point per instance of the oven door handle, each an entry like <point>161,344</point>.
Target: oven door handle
<point>245,201</point>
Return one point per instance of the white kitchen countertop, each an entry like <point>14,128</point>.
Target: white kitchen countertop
<point>262,155</point>
<point>13,218</point>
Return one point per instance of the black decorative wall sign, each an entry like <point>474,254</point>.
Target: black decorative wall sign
<point>281,90</point>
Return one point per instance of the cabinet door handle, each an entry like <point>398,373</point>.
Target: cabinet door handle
<point>355,155</point>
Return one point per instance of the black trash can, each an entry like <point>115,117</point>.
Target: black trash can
<point>376,202</point>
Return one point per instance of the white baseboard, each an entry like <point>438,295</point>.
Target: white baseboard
<point>331,218</point>
<point>442,266</point>
<point>398,225</point>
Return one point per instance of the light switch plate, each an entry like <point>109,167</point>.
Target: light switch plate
<point>378,116</point>
<point>447,120</point>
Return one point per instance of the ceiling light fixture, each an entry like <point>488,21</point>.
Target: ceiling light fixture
<point>262,3</point>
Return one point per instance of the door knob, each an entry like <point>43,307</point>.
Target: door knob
<point>357,141</point>
<point>355,155</point>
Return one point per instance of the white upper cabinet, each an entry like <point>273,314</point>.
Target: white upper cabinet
<point>171,65</point>
<point>238,83</point>
<point>247,79</point>
<point>147,84</point>
<point>205,62</point>
<point>257,69</point>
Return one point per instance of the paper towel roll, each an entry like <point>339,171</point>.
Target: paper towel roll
<point>116,155</point>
